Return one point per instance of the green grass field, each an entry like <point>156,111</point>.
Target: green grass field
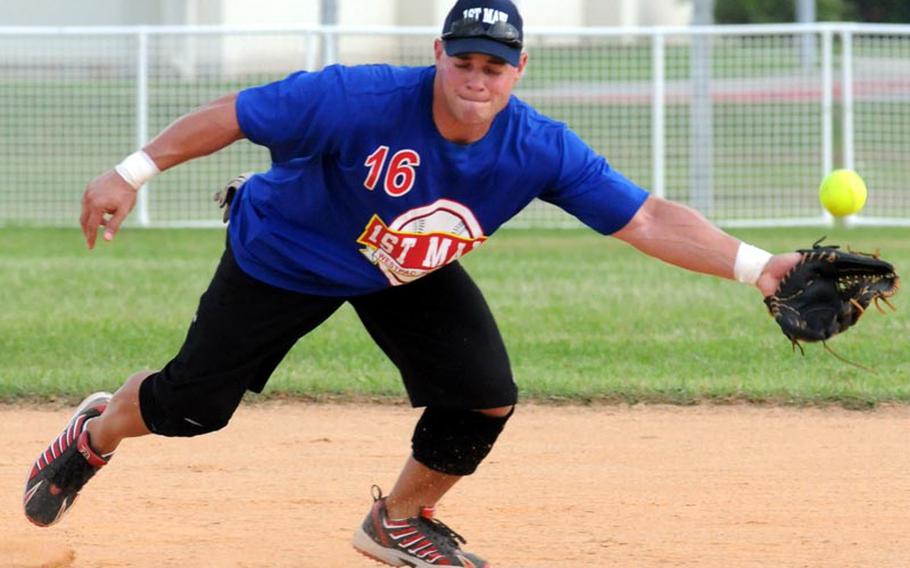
<point>585,318</point>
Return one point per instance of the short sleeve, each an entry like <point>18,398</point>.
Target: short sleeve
<point>295,117</point>
<point>588,188</point>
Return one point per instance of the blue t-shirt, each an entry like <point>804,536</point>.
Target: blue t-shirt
<point>364,192</point>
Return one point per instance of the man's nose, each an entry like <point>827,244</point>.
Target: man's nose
<point>475,81</point>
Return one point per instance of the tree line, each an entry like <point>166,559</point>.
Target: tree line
<point>781,11</point>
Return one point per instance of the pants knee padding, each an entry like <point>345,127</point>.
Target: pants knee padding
<point>455,441</point>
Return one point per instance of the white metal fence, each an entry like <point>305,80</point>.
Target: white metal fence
<point>739,122</point>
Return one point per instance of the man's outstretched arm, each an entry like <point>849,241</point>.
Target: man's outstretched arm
<point>110,197</point>
<point>683,237</point>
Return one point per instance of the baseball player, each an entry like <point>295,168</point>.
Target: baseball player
<point>381,179</point>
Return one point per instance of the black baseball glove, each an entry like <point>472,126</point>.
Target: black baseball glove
<point>828,290</point>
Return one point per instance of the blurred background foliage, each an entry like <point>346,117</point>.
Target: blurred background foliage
<point>781,11</point>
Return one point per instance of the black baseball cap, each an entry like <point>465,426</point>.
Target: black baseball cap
<point>493,27</point>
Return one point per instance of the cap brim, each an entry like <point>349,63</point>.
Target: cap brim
<point>511,55</point>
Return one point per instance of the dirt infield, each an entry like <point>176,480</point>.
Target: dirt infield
<point>285,485</point>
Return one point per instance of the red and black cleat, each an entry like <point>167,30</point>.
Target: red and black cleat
<point>65,466</point>
<point>419,542</point>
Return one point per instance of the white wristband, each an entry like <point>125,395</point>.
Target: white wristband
<point>750,261</point>
<point>137,169</point>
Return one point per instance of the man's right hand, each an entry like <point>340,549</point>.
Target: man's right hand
<point>107,200</point>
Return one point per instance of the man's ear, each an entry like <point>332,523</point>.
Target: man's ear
<point>522,63</point>
<point>438,49</point>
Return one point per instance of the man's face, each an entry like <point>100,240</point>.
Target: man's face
<point>475,86</point>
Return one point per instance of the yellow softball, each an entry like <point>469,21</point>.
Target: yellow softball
<point>842,192</point>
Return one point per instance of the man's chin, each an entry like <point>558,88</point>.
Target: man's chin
<point>472,114</point>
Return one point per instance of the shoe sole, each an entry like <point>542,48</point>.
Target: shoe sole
<point>374,551</point>
<point>365,545</point>
<point>86,403</point>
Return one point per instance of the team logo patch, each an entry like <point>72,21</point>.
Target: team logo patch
<point>421,240</point>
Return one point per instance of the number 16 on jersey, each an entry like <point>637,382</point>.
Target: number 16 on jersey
<point>399,177</point>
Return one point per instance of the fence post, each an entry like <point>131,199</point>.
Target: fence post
<point>847,94</point>
<point>312,48</point>
<point>805,14</point>
<point>847,90</point>
<point>142,126</point>
<point>827,102</point>
<point>329,37</point>
<point>702,126</point>
<point>827,110</point>
<point>329,46</point>
<point>658,96</point>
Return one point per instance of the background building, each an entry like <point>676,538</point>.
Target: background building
<point>350,12</point>
<point>239,55</point>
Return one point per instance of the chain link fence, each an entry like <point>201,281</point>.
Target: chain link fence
<point>740,122</point>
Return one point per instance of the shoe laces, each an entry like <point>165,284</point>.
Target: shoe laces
<point>439,532</point>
